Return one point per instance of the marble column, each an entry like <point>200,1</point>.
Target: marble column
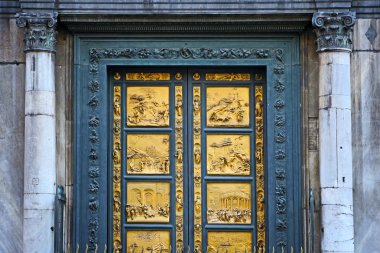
<point>40,133</point>
<point>335,148</point>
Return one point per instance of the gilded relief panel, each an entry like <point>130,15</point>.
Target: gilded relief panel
<point>147,76</point>
<point>227,106</point>
<point>147,106</point>
<point>148,154</point>
<point>228,77</point>
<point>153,241</point>
<point>228,154</point>
<point>148,202</point>
<point>229,203</point>
<point>229,242</point>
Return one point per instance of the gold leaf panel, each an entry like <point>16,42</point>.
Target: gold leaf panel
<point>229,203</point>
<point>228,77</point>
<point>148,202</point>
<point>228,106</point>
<point>154,241</point>
<point>228,154</point>
<point>148,106</point>
<point>147,76</point>
<point>148,154</point>
<point>229,242</point>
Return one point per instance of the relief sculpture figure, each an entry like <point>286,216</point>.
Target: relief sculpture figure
<point>148,154</point>
<point>148,202</point>
<point>148,241</point>
<point>148,106</point>
<point>228,106</point>
<point>228,154</point>
<point>229,242</point>
<point>229,203</point>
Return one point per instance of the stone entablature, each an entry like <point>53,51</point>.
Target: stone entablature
<point>333,30</point>
<point>40,32</point>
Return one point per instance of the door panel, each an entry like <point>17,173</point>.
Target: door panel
<point>228,212</point>
<point>148,211</point>
<point>188,160</point>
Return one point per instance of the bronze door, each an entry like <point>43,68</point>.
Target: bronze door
<point>188,159</point>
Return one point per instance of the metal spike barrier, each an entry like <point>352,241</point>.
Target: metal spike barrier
<point>255,249</point>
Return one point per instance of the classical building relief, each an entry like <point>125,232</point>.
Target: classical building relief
<point>227,106</point>
<point>148,154</point>
<point>229,203</point>
<point>228,154</point>
<point>148,202</point>
<point>147,106</point>
<point>151,241</point>
<point>229,242</point>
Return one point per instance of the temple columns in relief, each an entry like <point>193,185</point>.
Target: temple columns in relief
<point>40,131</point>
<point>335,162</point>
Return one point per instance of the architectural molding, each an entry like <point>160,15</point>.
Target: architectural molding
<point>280,123</point>
<point>333,30</point>
<point>40,32</point>
<point>166,23</point>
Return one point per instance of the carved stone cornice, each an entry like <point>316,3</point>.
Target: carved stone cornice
<point>333,30</point>
<point>40,32</point>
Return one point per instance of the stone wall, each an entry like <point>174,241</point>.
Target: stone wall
<point>365,78</point>
<point>365,83</point>
<point>12,76</point>
<point>310,150</point>
<point>64,121</point>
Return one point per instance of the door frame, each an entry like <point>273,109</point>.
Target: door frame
<point>278,53</point>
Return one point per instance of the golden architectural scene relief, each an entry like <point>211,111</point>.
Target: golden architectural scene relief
<point>148,154</point>
<point>147,76</point>
<point>227,106</point>
<point>229,203</point>
<point>150,241</point>
<point>228,77</point>
<point>147,106</point>
<point>148,202</point>
<point>229,242</point>
<point>228,154</point>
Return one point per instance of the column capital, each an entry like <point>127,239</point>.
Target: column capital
<point>333,30</point>
<point>40,32</point>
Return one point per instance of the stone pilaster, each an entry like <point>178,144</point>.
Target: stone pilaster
<point>335,162</point>
<point>40,131</point>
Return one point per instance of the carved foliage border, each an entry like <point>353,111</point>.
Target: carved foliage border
<point>280,154</point>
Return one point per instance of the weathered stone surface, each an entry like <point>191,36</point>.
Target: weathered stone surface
<point>11,137</point>
<point>310,153</point>
<point>366,149</point>
<point>37,239</point>
<point>64,123</point>
<point>11,41</point>
<point>361,35</point>
<point>335,152</point>
<point>40,152</point>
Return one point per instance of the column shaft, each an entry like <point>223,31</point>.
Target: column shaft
<point>40,131</point>
<point>335,152</point>
<point>335,148</point>
<point>40,152</point>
